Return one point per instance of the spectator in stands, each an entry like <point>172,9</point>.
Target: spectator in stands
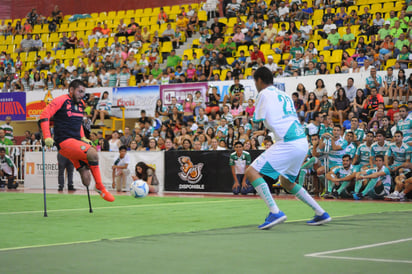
<point>401,86</point>
<point>373,81</point>
<point>213,103</point>
<point>173,60</point>
<point>120,170</point>
<point>103,108</point>
<point>26,44</point>
<point>232,9</point>
<point>341,106</point>
<point>32,17</point>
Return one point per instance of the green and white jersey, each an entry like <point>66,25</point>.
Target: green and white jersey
<point>399,154</point>
<point>385,179</point>
<point>222,129</point>
<point>321,154</point>
<point>351,150</point>
<point>364,153</point>
<point>376,149</point>
<point>342,172</point>
<point>297,64</point>
<point>6,164</point>
<point>8,130</point>
<point>359,133</point>
<point>277,111</point>
<point>113,80</point>
<point>335,156</point>
<point>123,79</point>
<point>389,79</point>
<point>405,125</point>
<point>240,162</point>
<point>229,117</point>
<point>324,129</point>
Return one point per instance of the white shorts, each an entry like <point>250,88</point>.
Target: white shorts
<point>282,158</point>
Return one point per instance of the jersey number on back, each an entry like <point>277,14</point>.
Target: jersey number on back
<point>288,106</point>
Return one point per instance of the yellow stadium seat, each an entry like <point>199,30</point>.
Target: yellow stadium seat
<point>326,54</point>
<point>390,63</point>
<point>336,56</point>
<point>375,8</point>
<point>189,53</point>
<point>388,7</point>
<point>147,12</point>
<point>398,5</point>
<point>361,9</point>
<point>31,56</point>
<point>156,11</point>
<point>139,13</point>
<point>350,51</point>
<point>121,14</point>
<point>244,48</point>
<point>130,13</point>
<point>317,14</point>
<point>166,46</point>
<point>322,44</point>
<point>111,15</point>
<point>202,15</point>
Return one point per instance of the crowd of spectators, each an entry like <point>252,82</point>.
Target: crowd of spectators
<point>356,110</point>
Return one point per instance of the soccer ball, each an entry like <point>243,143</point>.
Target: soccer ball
<point>139,189</point>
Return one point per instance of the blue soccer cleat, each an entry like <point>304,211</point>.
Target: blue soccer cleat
<point>273,219</point>
<point>320,220</point>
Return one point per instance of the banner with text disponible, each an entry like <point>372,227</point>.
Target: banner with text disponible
<point>33,168</point>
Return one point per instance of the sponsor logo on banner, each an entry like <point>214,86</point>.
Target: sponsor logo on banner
<point>190,173</point>
<point>180,91</point>
<point>13,104</point>
<point>36,168</point>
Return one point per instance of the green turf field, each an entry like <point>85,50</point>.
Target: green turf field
<point>199,235</point>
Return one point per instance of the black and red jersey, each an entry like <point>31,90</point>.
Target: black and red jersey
<point>68,119</point>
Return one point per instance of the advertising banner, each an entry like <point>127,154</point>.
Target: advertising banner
<point>13,104</point>
<point>36,101</point>
<point>136,99</point>
<point>33,169</point>
<point>180,91</point>
<point>199,171</point>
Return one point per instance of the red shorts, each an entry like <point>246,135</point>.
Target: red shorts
<point>75,151</point>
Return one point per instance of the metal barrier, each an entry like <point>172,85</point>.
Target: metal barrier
<point>16,153</point>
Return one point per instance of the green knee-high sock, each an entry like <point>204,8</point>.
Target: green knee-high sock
<point>358,186</point>
<point>330,186</point>
<point>310,163</point>
<point>342,187</point>
<point>371,185</point>
<point>302,176</point>
<point>263,190</point>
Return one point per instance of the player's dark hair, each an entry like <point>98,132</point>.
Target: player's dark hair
<point>264,74</point>
<point>405,107</point>
<point>76,83</point>
<point>144,167</point>
<point>2,149</point>
<point>347,156</point>
<point>238,143</point>
<point>379,156</point>
<point>123,147</point>
<point>338,126</point>
<point>381,132</point>
<point>400,132</point>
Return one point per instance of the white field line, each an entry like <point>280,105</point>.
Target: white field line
<point>325,254</point>
<point>121,207</point>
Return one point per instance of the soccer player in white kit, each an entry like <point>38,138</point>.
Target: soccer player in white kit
<point>275,108</point>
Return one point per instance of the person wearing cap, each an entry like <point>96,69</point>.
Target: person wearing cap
<point>272,66</point>
<point>385,31</point>
<point>334,38</point>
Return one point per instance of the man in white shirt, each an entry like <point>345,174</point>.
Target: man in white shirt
<point>350,89</point>
<point>120,170</point>
<point>283,11</point>
<point>272,66</point>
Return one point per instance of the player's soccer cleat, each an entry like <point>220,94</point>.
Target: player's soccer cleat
<point>320,220</point>
<point>392,196</point>
<point>273,219</point>
<point>105,194</point>
<point>357,196</point>
<point>277,184</point>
